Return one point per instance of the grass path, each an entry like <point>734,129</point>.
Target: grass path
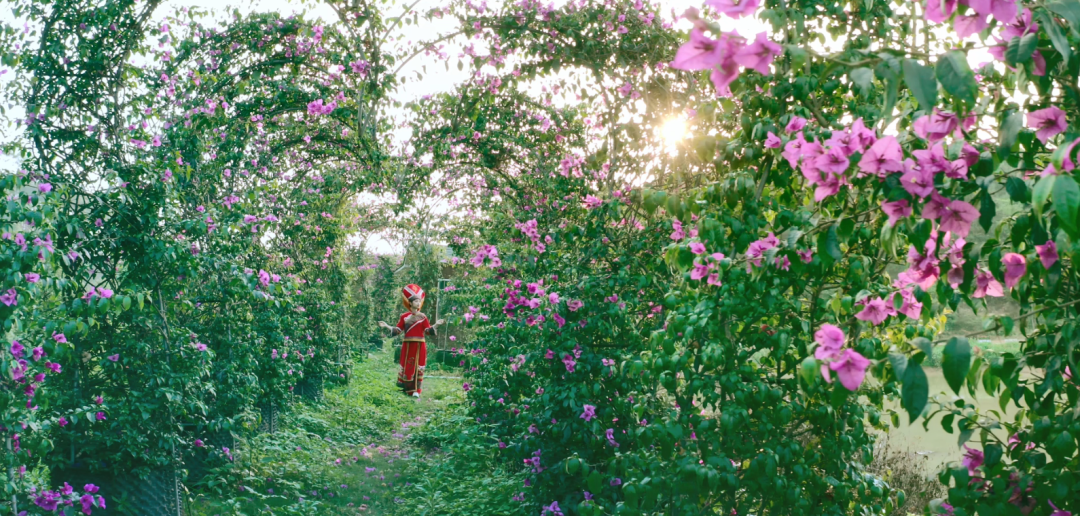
<point>348,455</point>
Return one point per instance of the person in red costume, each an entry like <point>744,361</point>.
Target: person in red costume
<point>416,327</point>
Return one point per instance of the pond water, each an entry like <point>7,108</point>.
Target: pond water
<point>935,444</point>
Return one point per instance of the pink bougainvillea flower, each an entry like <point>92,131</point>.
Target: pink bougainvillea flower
<point>723,75</point>
<point>772,141</point>
<point>932,159</point>
<point>833,160</point>
<point>678,233</point>
<point>796,124</point>
<point>758,248</point>
<point>759,54</point>
<point>699,271</point>
<point>917,181</point>
<point>829,337</point>
<point>699,53</point>
<point>1047,122</point>
<point>113,358</point>
<point>910,307</point>
<point>1015,267</point>
<point>851,369</point>
<point>965,26</point>
<point>574,304</point>
<point>896,210</point>
<point>938,11</point>
<point>1048,254</point>
<point>954,215</point>
<point>1003,10</point>
<point>1038,64</point>
<point>589,413</point>
<point>569,362</point>
<point>875,311</point>
<point>1058,512</point>
<point>936,126</point>
<point>591,202</point>
<point>59,338</point>
<point>697,248</point>
<point>882,157</point>
<point>806,255</point>
<point>972,459</point>
<point>734,8</point>
<point>987,285</point>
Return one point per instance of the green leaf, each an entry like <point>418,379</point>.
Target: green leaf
<point>828,246</point>
<point>955,362</point>
<point>863,79</point>
<point>920,80</point>
<point>1042,192</point>
<point>956,77</point>
<point>1019,49</point>
<point>1068,9</point>
<point>1010,131</point>
<point>987,210</point>
<point>1057,38</point>
<point>899,363</point>
<point>915,391</point>
<point>1017,188</point>
<point>594,481</point>
<point>924,345</point>
<point>1067,204</point>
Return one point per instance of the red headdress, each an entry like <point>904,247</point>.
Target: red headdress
<point>413,291</point>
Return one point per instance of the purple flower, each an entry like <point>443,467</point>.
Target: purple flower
<point>9,298</point>
<point>972,459</point>
<point>113,358</point>
<point>32,277</point>
<point>986,285</point>
<point>938,11</point>
<point>1048,254</point>
<point>59,338</point>
<point>851,368</point>
<point>552,509</point>
<point>100,416</point>
<point>697,248</point>
<point>882,157</point>
<point>734,8</point>
<point>589,413</point>
<point>616,481</point>
<point>1058,512</point>
<point>264,278</point>
<point>875,311</point>
<point>956,215</point>
<point>569,362</point>
<point>772,141</point>
<point>678,233</point>
<point>759,54</point>
<point>896,210</point>
<point>610,435</point>
<point>699,53</point>
<point>591,202</point>
<point>796,124</point>
<point>574,305</point>
<point>199,346</point>
<point>1015,267</point>
<point>1047,122</point>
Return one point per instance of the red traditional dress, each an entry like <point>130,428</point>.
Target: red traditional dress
<point>413,351</point>
<point>416,327</point>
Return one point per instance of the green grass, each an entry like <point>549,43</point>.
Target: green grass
<point>988,347</point>
<point>347,455</point>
